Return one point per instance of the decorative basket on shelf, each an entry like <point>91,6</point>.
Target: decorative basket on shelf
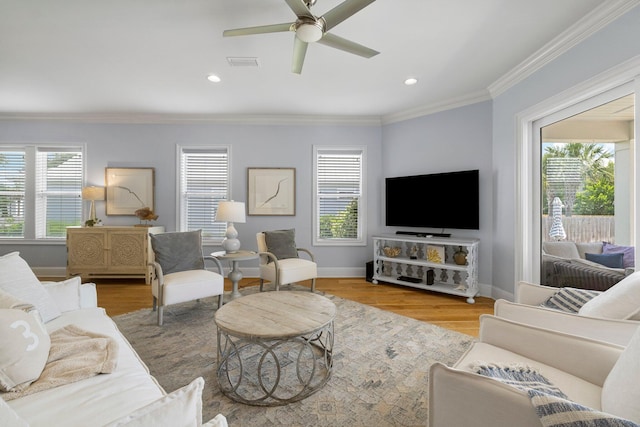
<point>391,252</point>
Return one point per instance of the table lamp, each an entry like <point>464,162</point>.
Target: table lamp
<point>231,212</point>
<point>93,194</point>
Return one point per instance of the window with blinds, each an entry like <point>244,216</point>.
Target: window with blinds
<point>204,182</point>
<point>12,193</point>
<point>338,179</point>
<point>40,190</point>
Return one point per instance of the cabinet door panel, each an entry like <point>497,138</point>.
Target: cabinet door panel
<point>87,249</point>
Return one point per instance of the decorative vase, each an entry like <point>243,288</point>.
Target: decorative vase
<point>460,256</point>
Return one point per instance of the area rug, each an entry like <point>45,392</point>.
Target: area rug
<point>380,375</point>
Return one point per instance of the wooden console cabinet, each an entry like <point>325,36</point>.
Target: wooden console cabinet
<point>110,251</point>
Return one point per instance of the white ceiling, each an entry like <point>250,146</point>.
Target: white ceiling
<point>152,57</point>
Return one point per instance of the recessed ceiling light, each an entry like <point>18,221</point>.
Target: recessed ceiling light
<point>411,81</point>
<point>213,78</point>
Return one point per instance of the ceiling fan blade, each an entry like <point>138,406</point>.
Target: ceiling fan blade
<point>299,7</point>
<point>299,51</point>
<point>262,29</point>
<point>347,45</point>
<point>343,11</point>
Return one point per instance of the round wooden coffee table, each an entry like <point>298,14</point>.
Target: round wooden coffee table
<point>274,347</point>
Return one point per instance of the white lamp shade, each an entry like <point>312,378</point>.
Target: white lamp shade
<point>93,193</point>
<point>231,211</point>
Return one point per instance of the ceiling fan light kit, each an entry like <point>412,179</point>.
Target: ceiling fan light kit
<point>310,29</point>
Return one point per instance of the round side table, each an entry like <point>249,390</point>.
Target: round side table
<point>235,275</point>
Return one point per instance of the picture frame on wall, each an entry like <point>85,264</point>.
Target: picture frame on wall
<point>129,189</point>
<point>271,191</point>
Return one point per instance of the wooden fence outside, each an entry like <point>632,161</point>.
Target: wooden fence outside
<point>583,228</point>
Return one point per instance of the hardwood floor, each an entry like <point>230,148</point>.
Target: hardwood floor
<point>119,296</point>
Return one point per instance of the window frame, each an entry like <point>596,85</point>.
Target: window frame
<point>33,231</point>
<point>181,206</point>
<point>361,239</point>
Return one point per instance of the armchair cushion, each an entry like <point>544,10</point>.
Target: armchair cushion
<point>621,301</point>
<point>570,300</point>
<point>613,260</point>
<point>620,391</point>
<point>281,243</point>
<point>178,251</point>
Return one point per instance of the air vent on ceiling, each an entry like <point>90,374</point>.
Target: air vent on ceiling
<point>242,62</point>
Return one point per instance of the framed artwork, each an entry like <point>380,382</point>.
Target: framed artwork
<point>271,191</point>
<point>129,189</point>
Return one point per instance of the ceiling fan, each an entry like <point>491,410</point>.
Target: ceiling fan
<point>310,28</point>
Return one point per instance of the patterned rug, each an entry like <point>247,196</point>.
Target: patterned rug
<point>380,374</point>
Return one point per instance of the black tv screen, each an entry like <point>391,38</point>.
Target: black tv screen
<point>441,200</point>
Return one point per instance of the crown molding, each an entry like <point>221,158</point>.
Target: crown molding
<point>461,101</point>
<point>245,119</point>
<point>591,23</point>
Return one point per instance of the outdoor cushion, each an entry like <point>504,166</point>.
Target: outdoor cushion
<point>178,251</point>
<point>621,301</point>
<point>608,260</point>
<point>627,251</point>
<point>566,250</point>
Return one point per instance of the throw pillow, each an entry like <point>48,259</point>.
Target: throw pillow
<point>621,301</point>
<point>628,252</point>
<point>18,280</point>
<point>183,407</point>
<point>569,299</point>
<point>608,260</point>
<point>9,301</point>
<point>66,293</point>
<point>24,351</point>
<point>281,243</point>
<point>178,251</point>
<point>9,418</point>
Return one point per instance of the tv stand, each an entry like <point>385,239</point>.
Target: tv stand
<point>413,267</point>
<point>421,234</point>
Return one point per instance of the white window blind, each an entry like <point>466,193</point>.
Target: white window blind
<point>12,193</point>
<point>204,182</point>
<point>40,188</point>
<point>339,195</point>
<point>58,191</point>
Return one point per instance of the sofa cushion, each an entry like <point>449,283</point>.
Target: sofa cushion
<point>621,301</point>
<point>281,243</point>
<point>628,253</point>
<point>18,280</point>
<point>608,260</point>
<point>178,251</point>
<point>24,351</point>
<point>183,407</point>
<point>567,250</point>
<point>66,293</point>
<point>620,391</point>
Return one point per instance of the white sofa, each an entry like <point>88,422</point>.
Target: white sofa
<point>127,396</point>
<point>526,309</point>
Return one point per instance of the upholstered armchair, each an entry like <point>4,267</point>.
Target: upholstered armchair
<point>486,387</point>
<point>280,260</point>
<point>178,271</point>
<point>614,319</point>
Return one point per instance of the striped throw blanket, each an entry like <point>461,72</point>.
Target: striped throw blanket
<point>552,406</point>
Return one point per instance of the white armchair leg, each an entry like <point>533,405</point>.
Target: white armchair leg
<point>160,312</point>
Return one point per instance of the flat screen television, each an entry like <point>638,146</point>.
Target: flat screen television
<point>440,200</point>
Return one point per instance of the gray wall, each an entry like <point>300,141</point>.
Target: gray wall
<point>154,145</point>
<point>452,140</point>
